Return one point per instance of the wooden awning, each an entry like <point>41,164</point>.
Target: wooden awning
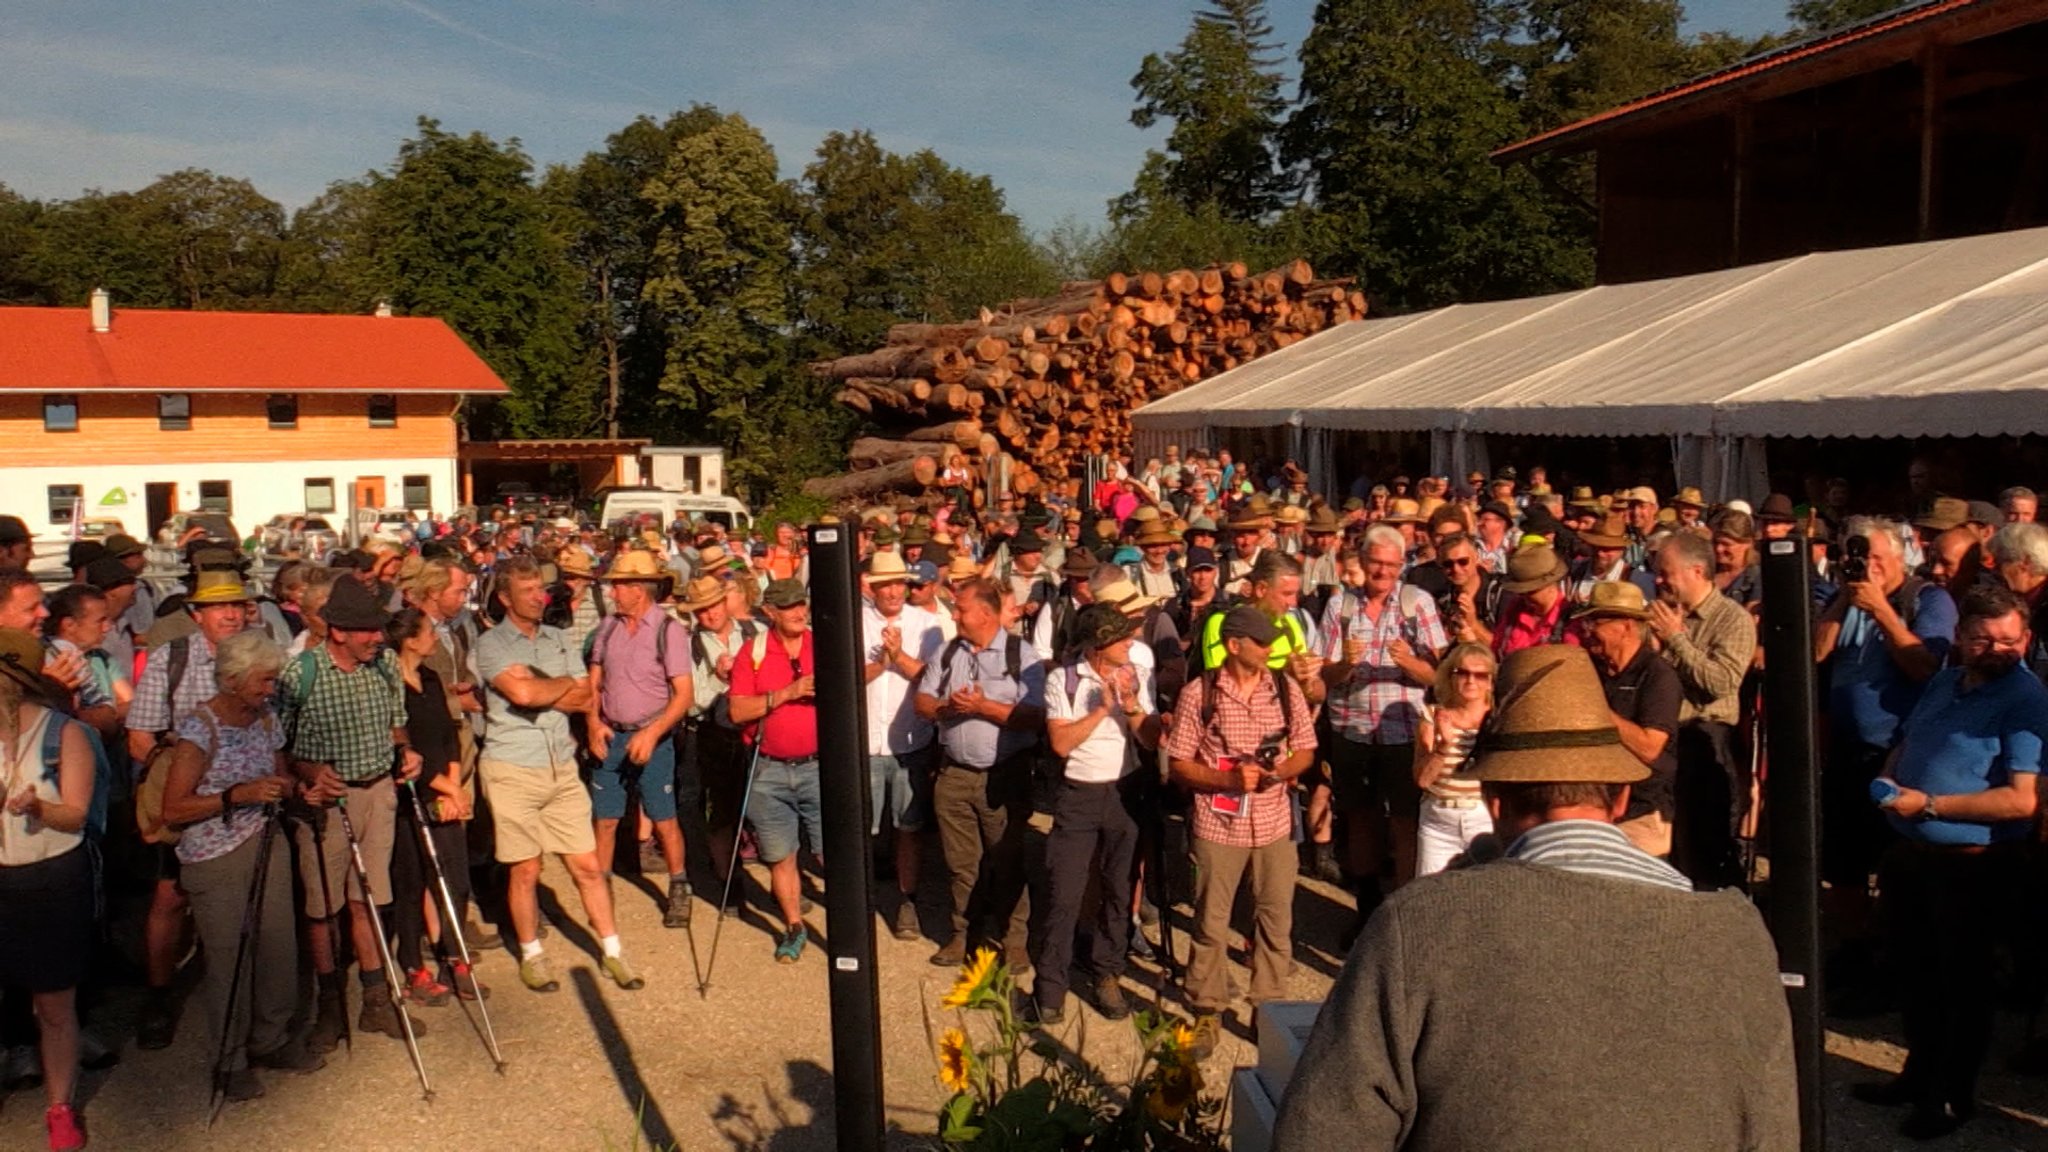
<point>548,451</point>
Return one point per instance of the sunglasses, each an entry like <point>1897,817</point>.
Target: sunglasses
<point>1469,674</point>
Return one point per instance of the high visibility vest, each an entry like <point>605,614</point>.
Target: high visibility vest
<point>1292,639</point>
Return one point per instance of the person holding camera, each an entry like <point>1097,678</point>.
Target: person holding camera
<point>1883,636</point>
<point>1468,598</point>
<point>1240,733</point>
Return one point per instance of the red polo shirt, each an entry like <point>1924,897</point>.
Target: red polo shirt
<point>791,731</point>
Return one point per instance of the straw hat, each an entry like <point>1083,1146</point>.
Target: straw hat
<point>702,593</point>
<point>1533,566</point>
<point>1582,497</point>
<point>217,587</point>
<point>1255,513</point>
<point>1403,511</point>
<point>573,562</point>
<point>1615,598</point>
<point>1156,533</point>
<point>1292,514</point>
<point>713,559</point>
<point>1610,532</point>
<point>961,568</point>
<point>887,568</point>
<point>1688,498</point>
<point>1550,724</point>
<point>1125,597</point>
<point>1947,512</point>
<point>638,565</point>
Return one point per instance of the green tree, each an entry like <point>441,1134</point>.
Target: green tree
<point>1401,106</point>
<point>1567,59</point>
<point>18,216</point>
<point>1222,90</point>
<point>1811,16</point>
<point>326,262</point>
<point>1164,234</point>
<point>191,239</point>
<point>456,229</point>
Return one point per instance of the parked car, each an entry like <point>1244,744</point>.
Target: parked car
<point>308,537</point>
<point>627,504</point>
<point>217,528</point>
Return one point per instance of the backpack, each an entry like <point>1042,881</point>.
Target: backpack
<point>1013,661</point>
<point>748,635</point>
<point>309,674</point>
<point>156,767</point>
<point>102,770</point>
<point>602,634</point>
<point>1280,686</point>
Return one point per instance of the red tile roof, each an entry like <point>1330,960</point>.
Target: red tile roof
<point>158,350</point>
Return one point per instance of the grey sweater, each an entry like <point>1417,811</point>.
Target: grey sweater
<point>1516,1006</point>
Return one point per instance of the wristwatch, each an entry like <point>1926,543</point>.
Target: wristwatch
<point>1927,811</point>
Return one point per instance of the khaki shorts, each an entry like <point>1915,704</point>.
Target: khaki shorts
<point>535,811</point>
<point>373,812</point>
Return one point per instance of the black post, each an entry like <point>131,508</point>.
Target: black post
<point>849,867</point>
<point>1793,805</point>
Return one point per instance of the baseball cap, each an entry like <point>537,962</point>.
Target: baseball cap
<point>13,530</point>
<point>1200,557</point>
<point>786,594</point>
<point>1250,623</point>
<point>924,572</point>
<point>1100,625</point>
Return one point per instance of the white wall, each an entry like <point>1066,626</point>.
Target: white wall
<point>258,491</point>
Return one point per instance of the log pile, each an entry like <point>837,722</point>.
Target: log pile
<point>1042,384</point>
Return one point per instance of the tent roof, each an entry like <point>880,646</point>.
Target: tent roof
<point>1942,338</point>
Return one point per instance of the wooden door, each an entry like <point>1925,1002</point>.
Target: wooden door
<point>370,492</point>
<point>160,503</point>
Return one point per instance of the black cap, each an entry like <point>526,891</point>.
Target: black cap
<point>13,530</point>
<point>1498,508</point>
<point>1247,621</point>
<point>107,573</point>
<point>83,552</point>
<point>1200,557</point>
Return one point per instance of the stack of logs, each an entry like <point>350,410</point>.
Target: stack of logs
<point>1045,383</point>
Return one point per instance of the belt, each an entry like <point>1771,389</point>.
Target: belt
<point>372,782</point>
<point>1457,802</point>
<point>790,763</point>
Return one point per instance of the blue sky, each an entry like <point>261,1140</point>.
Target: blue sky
<point>295,93</point>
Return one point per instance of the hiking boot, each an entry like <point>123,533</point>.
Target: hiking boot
<point>379,1014</point>
<point>622,974</point>
<point>65,1127</point>
<point>1208,1034</point>
<point>1109,999</point>
<point>330,1019</point>
<point>422,988</point>
<point>951,954</point>
<point>677,913</point>
<point>535,973</point>
<point>1045,1016</point>
<point>288,1057</point>
<point>790,948</point>
<point>906,926</point>
<point>1323,864</point>
<point>459,976</point>
<point>480,937</point>
<point>241,1084</point>
<point>652,861</point>
<point>159,1023</point>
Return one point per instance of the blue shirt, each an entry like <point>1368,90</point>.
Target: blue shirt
<point>1964,742</point>
<point>970,741</point>
<point>1868,696</point>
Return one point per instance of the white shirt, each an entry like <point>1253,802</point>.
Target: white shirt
<point>1101,758</point>
<point>894,727</point>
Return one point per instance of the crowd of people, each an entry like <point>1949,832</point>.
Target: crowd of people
<point>1213,679</point>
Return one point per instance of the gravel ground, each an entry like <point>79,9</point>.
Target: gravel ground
<point>594,1067</point>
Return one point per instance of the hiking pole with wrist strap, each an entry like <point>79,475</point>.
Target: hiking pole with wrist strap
<point>355,850</point>
<point>245,950</point>
<point>454,922</point>
<point>317,821</point>
<point>732,870</point>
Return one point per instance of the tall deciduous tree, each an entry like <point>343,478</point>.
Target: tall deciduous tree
<point>1828,15</point>
<point>327,261</point>
<point>457,230</point>
<point>18,216</point>
<point>1222,90</point>
<point>191,239</point>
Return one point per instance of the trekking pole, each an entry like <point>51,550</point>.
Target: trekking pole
<point>245,947</point>
<point>318,823</point>
<point>412,1043</point>
<point>454,922</point>
<point>732,870</point>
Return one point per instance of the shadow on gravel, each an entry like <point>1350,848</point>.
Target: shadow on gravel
<point>796,1120</point>
<point>653,1124</point>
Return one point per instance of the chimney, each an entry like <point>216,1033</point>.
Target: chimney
<point>383,309</point>
<point>102,310</point>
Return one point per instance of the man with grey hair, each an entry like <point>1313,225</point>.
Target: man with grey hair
<point>2019,555</point>
<point>1883,636</point>
<point>1709,640</point>
<point>2019,504</point>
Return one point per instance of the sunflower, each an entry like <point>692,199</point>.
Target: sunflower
<point>974,979</point>
<point>1176,1088</point>
<point>1182,1039</point>
<point>956,1063</point>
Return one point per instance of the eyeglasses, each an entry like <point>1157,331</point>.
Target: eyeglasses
<point>1472,674</point>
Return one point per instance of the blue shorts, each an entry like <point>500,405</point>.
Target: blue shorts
<point>783,806</point>
<point>655,779</point>
<point>902,787</point>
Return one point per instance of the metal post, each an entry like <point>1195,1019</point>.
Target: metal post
<point>849,866</point>
<point>1793,801</point>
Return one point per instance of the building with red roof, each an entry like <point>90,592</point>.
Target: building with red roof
<point>138,414</point>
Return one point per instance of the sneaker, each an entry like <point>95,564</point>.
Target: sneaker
<point>24,1067</point>
<point>239,1085</point>
<point>622,974</point>
<point>790,948</point>
<point>65,1126</point>
<point>159,1023</point>
<point>422,988</point>
<point>288,1057</point>
<point>1139,947</point>
<point>459,976</point>
<point>1208,1034</point>
<point>1109,999</point>
<point>535,973</point>
<point>677,913</point>
<point>906,926</point>
<point>951,954</point>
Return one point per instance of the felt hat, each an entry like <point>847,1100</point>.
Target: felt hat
<point>887,568</point>
<point>1080,564</point>
<point>886,535</point>
<point>573,562</point>
<point>1125,597</point>
<point>1293,473</point>
<point>1985,512</point>
<point>219,587</point>
<point>1610,532</point>
<point>702,593</point>
<point>1155,534</point>
<point>1323,522</point>
<point>1777,509</point>
<point>1551,725</point>
<point>21,659</point>
<point>1533,566</point>
<point>1615,598</point>
<point>916,534</point>
<point>83,552</point>
<point>961,568</point>
<point>1688,497</point>
<point>787,593</point>
<point>108,573</point>
<point>13,530</point>
<point>1026,541</point>
<point>1498,508</point>
<point>1100,625</point>
<point>713,559</point>
<point>1253,513</point>
<point>1538,521</point>
<point>638,565</point>
<point>121,545</point>
<point>1735,525</point>
<point>1403,511</point>
<point>351,606</point>
<point>1947,512</point>
<point>1582,497</point>
<point>1202,524</point>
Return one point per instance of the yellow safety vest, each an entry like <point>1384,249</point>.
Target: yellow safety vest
<point>1291,641</point>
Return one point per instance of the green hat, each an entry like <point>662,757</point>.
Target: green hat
<point>1100,625</point>
<point>786,594</point>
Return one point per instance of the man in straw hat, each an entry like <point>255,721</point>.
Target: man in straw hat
<point>899,641</point>
<point>1154,571</point>
<point>711,741</point>
<point>640,688</point>
<point>1642,698</point>
<point>1604,557</point>
<point>1477,993</point>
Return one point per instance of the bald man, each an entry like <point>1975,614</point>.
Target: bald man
<point>1955,560</point>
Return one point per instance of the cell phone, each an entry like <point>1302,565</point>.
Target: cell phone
<point>1884,793</point>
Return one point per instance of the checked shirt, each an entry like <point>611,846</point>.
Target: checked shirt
<point>1379,704</point>
<point>347,717</point>
<point>1239,724</point>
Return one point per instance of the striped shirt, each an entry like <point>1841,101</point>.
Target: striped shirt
<point>1594,848</point>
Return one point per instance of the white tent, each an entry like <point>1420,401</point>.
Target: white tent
<point>1948,338</point>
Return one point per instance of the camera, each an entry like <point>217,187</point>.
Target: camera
<point>1450,607</point>
<point>1268,754</point>
<point>1855,564</point>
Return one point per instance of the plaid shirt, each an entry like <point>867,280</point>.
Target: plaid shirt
<point>342,718</point>
<point>148,711</point>
<point>1240,724</point>
<point>1379,704</point>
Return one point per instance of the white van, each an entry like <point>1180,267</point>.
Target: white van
<point>631,503</point>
